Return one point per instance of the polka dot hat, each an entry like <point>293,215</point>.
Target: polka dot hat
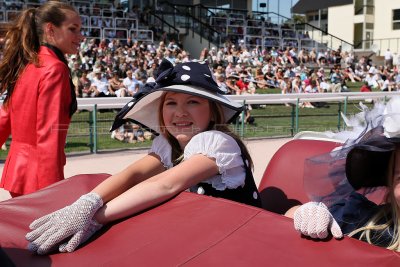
<point>194,78</point>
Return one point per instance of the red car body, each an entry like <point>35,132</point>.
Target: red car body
<point>194,230</point>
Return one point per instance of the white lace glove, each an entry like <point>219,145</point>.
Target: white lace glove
<point>313,219</point>
<point>75,220</point>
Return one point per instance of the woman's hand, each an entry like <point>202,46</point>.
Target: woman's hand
<point>313,219</point>
<point>75,220</point>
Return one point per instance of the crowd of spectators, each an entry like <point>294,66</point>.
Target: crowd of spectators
<point>131,133</point>
<point>116,68</point>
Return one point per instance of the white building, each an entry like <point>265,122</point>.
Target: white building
<point>370,25</point>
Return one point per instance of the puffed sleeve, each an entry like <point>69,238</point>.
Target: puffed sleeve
<point>226,152</point>
<point>163,149</point>
<point>5,125</point>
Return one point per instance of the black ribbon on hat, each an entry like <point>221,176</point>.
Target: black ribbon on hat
<point>189,73</point>
<point>119,118</point>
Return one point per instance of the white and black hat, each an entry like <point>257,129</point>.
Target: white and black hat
<point>361,163</point>
<point>194,78</point>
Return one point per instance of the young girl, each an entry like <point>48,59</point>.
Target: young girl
<point>40,95</point>
<point>194,150</point>
<point>373,161</point>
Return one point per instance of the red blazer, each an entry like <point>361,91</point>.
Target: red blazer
<point>38,119</point>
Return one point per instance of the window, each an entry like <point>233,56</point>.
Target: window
<point>369,4</point>
<point>360,4</point>
<point>370,10</point>
<point>358,7</point>
<point>396,19</point>
<point>369,26</point>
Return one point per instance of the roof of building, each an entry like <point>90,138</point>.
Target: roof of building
<point>304,6</point>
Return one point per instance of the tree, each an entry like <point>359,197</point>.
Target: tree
<point>298,18</point>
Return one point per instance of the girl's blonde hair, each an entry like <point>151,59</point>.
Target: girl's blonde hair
<point>390,214</point>
<point>217,123</point>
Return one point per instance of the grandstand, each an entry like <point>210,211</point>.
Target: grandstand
<point>216,26</point>
<point>250,38</point>
<point>195,25</point>
<point>202,23</point>
<point>100,19</point>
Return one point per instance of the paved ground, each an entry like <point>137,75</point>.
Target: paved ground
<point>112,162</point>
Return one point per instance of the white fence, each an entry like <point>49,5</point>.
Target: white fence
<point>119,102</point>
<point>94,124</point>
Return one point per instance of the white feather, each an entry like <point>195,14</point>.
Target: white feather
<point>359,124</point>
<point>391,122</point>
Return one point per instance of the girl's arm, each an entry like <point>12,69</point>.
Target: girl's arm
<point>156,189</point>
<point>140,170</point>
<point>290,212</point>
<point>151,186</point>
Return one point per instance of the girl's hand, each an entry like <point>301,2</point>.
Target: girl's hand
<point>313,219</point>
<point>75,220</point>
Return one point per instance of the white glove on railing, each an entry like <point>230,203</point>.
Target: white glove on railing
<point>313,219</point>
<point>75,220</point>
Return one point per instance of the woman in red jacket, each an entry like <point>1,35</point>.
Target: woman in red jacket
<point>40,99</point>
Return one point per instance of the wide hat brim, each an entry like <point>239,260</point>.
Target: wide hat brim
<point>145,110</point>
<point>367,163</point>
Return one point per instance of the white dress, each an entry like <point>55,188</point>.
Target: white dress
<point>234,180</point>
<point>213,144</point>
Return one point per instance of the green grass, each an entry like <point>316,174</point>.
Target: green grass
<point>276,120</point>
<point>271,121</point>
<point>354,87</point>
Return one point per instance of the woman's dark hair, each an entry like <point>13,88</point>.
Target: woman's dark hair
<point>23,39</point>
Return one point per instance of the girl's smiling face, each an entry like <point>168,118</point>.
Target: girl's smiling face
<point>185,115</point>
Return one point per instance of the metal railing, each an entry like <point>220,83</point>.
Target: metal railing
<point>183,16</point>
<point>379,46</point>
<point>95,104</point>
<point>119,102</point>
<point>225,30</point>
<point>96,126</point>
<point>159,23</point>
